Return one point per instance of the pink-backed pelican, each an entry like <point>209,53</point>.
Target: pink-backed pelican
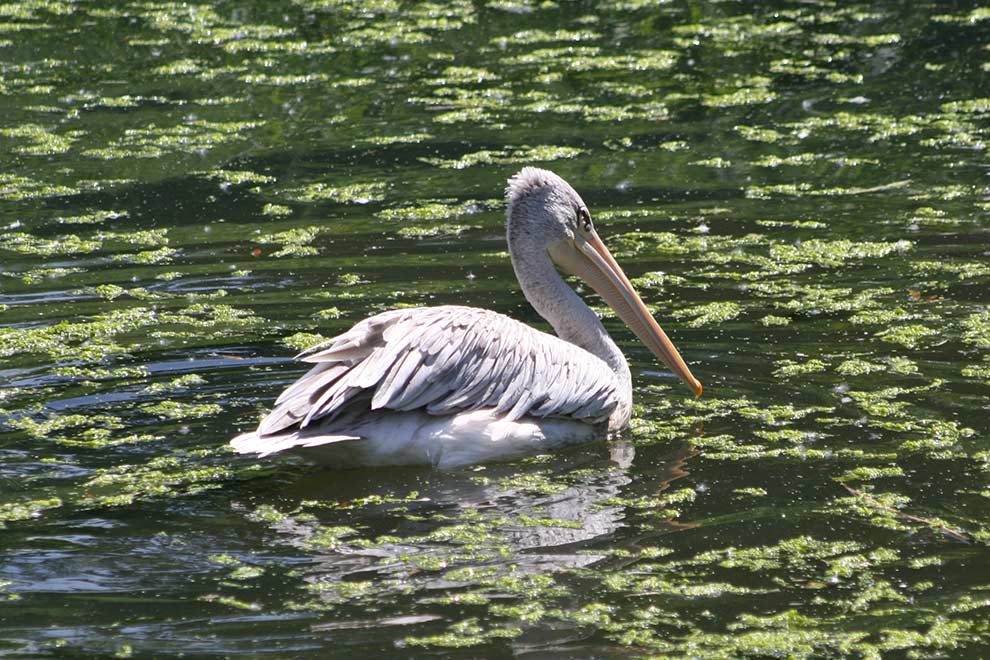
<point>452,385</point>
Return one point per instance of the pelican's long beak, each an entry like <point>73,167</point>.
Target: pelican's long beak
<point>588,258</point>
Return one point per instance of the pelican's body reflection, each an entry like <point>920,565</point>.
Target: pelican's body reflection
<point>458,525</point>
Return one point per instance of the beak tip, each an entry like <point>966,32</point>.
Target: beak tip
<point>697,388</point>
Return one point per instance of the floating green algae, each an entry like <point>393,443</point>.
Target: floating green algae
<point>124,484</point>
<point>410,138</point>
<point>717,163</point>
<point>302,341</point>
<point>239,177</point>
<point>443,229</point>
<point>294,242</point>
<point>754,91</point>
<point>91,218</point>
<point>355,193</point>
<point>709,314</point>
<point>909,336</point>
<point>430,211</point>
<point>17,188</point>
<point>11,511</point>
<point>538,36</point>
<point>67,244</point>
<point>832,253</point>
<point>591,58</point>
<point>276,210</point>
<point>41,141</point>
<point>176,410</point>
<point>774,320</point>
<point>504,156</point>
<point>152,141</point>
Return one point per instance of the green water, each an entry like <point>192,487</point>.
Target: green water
<point>191,192</point>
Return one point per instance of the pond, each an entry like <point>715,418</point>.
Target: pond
<point>193,192</point>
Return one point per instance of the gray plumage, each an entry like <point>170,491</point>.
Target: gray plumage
<point>446,360</point>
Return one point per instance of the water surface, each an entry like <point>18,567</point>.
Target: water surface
<point>192,192</point>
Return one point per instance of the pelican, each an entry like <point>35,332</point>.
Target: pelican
<point>451,386</point>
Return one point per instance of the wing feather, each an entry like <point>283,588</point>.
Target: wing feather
<point>446,360</point>
<point>389,391</point>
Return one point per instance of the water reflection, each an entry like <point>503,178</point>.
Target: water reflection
<point>496,517</point>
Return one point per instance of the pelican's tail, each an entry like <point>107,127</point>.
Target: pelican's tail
<point>263,445</point>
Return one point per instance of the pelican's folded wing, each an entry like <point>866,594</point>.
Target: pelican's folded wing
<point>444,360</point>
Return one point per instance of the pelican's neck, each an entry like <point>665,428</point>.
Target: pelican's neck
<point>571,318</point>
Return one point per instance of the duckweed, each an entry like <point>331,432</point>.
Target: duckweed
<point>709,314</point>
<point>504,156</point>
<point>355,193</point>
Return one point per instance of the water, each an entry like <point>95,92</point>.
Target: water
<point>193,192</point>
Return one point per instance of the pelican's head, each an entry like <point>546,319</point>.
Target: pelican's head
<point>545,209</point>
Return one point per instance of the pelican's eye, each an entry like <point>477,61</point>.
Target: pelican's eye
<point>584,219</point>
